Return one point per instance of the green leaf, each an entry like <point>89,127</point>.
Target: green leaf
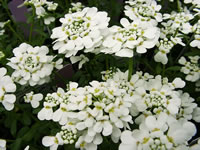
<point>17,144</point>
<point>13,128</point>
<point>173,68</point>
<point>26,118</point>
<point>22,132</point>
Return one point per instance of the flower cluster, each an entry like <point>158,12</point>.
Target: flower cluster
<point>76,7</point>
<point>7,87</point>
<point>32,65</point>
<point>83,30</point>
<point>190,68</point>
<point>34,99</point>
<point>196,5</point>
<point>101,109</point>
<point>2,144</point>
<point>132,35</point>
<point>145,10</point>
<point>156,133</point>
<point>106,108</point>
<point>175,25</point>
<point>43,9</point>
<point>196,31</point>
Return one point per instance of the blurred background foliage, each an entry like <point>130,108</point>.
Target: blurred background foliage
<point>21,127</point>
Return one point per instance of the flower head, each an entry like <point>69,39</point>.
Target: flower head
<point>133,35</point>
<point>7,87</point>
<point>31,65</point>
<point>83,30</point>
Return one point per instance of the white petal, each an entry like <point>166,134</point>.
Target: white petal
<point>3,71</point>
<point>141,50</point>
<point>125,53</point>
<point>87,41</point>
<point>48,141</point>
<point>124,22</point>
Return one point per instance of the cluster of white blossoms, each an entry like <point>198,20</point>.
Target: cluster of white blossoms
<point>87,114</point>
<point>32,65</point>
<point>76,7</point>
<point>7,87</point>
<point>80,31</point>
<point>196,30</point>
<point>190,68</point>
<point>43,9</point>
<point>136,35</point>
<point>196,5</point>
<point>101,109</point>
<point>34,99</point>
<point>156,133</point>
<point>174,26</point>
<point>145,10</point>
<point>2,144</point>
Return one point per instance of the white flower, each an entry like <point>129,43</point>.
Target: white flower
<point>85,146</point>
<point>134,35</point>
<point>7,87</point>
<point>83,30</point>
<point>196,114</point>
<point>128,142</point>
<point>41,11</point>
<point>31,65</point>
<point>2,144</point>
<point>190,68</point>
<point>46,113</point>
<point>76,7</point>
<point>144,10</point>
<point>82,58</point>
<point>188,107</point>
<point>52,141</point>
<point>48,20</point>
<point>196,42</point>
<point>157,97</point>
<point>27,147</point>
<point>34,99</point>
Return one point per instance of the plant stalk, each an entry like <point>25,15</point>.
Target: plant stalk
<point>130,68</point>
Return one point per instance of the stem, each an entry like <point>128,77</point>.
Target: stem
<point>179,5</point>
<point>4,3</point>
<point>130,68</point>
<point>17,35</point>
<point>32,25</point>
<point>183,50</point>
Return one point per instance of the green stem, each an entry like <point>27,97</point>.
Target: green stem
<point>17,35</point>
<point>179,5</point>
<point>4,3</point>
<point>186,46</point>
<point>130,68</point>
<point>32,24</point>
